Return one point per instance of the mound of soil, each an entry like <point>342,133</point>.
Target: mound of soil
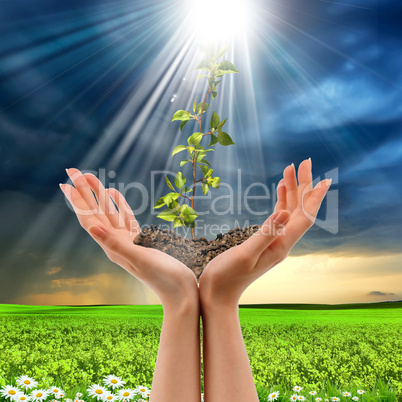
<point>197,253</point>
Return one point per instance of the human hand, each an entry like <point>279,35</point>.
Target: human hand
<point>227,276</point>
<point>114,230</point>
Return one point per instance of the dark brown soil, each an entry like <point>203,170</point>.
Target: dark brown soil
<point>197,253</point>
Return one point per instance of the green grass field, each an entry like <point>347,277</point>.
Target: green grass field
<point>305,345</point>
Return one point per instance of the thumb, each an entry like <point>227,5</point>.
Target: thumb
<point>267,233</point>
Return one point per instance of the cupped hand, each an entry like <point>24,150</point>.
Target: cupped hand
<point>227,276</point>
<point>114,229</point>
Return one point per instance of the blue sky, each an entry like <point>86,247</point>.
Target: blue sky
<point>90,86</point>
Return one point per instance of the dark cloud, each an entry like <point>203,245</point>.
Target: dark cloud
<point>378,293</point>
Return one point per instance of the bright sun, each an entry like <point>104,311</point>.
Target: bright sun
<point>219,20</point>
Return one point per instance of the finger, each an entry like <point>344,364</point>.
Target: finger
<point>313,200</point>
<point>84,214</point>
<point>106,205</point>
<point>83,188</point>
<point>296,228</point>
<point>289,175</point>
<point>267,233</point>
<point>125,211</point>
<point>281,196</point>
<point>305,179</point>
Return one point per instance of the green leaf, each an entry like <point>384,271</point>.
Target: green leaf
<point>213,141</point>
<point>178,149</point>
<point>206,162</point>
<point>179,180</point>
<point>203,75</point>
<point>226,67</point>
<point>195,104</point>
<point>186,189</point>
<point>183,123</point>
<point>215,182</point>
<point>168,198</point>
<point>181,115</point>
<point>177,222</point>
<point>204,169</point>
<point>224,139</point>
<point>204,65</point>
<point>209,172</point>
<point>190,150</point>
<point>195,139</point>
<point>169,183</point>
<point>184,161</point>
<point>214,120</point>
<point>222,51</point>
<point>168,215</point>
<point>205,188</point>
<point>221,124</point>
<point>189,224</point>
<point>213,94</point>
<point>189,215</point>
<point>159,203</point>
<point>199,107</point>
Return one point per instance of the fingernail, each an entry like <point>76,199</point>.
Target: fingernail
<point>67,171</point>
<point>97,232</point>
<point>293,165</point>
<point>282,218</point>
<point>328,182</point>
<point>60,185</point>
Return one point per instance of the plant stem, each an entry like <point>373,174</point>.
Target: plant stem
<point>195,156</point>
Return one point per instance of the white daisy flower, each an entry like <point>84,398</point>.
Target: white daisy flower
<point>355,398</point>
<point>140,389</point>
<point>297,388</point>
<point>109,397</point>
<point>273,396</point>
<point>147,394</point>
<point>293,398</point>
<point>78,395</point>
<point>360,391</point>
<point>326,400</point>
<point>96,391</point>
<point>9,391</point>
<point>21,397</point>
<point>335,399</point>
<point>59,395</point>
<point>346,393</point>
<point>202,397</point>
<point>68,400</point>
<point>318,399</point>
<point>55,390</point>
<point>113,381</point>
<point>39,395</point>
<point>301,398</point>
<point>313,392</point>
<point>125,394</point>
<point>26,382</point>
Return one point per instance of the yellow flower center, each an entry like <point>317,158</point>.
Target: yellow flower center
<point>27,382</point>
<point>11,392</point>
<point>110,397</point>
<point>99,391</point>
<point>39,394</point>
<point>142,389</point>
<point>113,381</point>
<point>22,398</point>
<point>126,394</point>
<point>56,390</point>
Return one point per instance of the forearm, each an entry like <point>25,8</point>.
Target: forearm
<point>227,372</point>
<point>177,370</point>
